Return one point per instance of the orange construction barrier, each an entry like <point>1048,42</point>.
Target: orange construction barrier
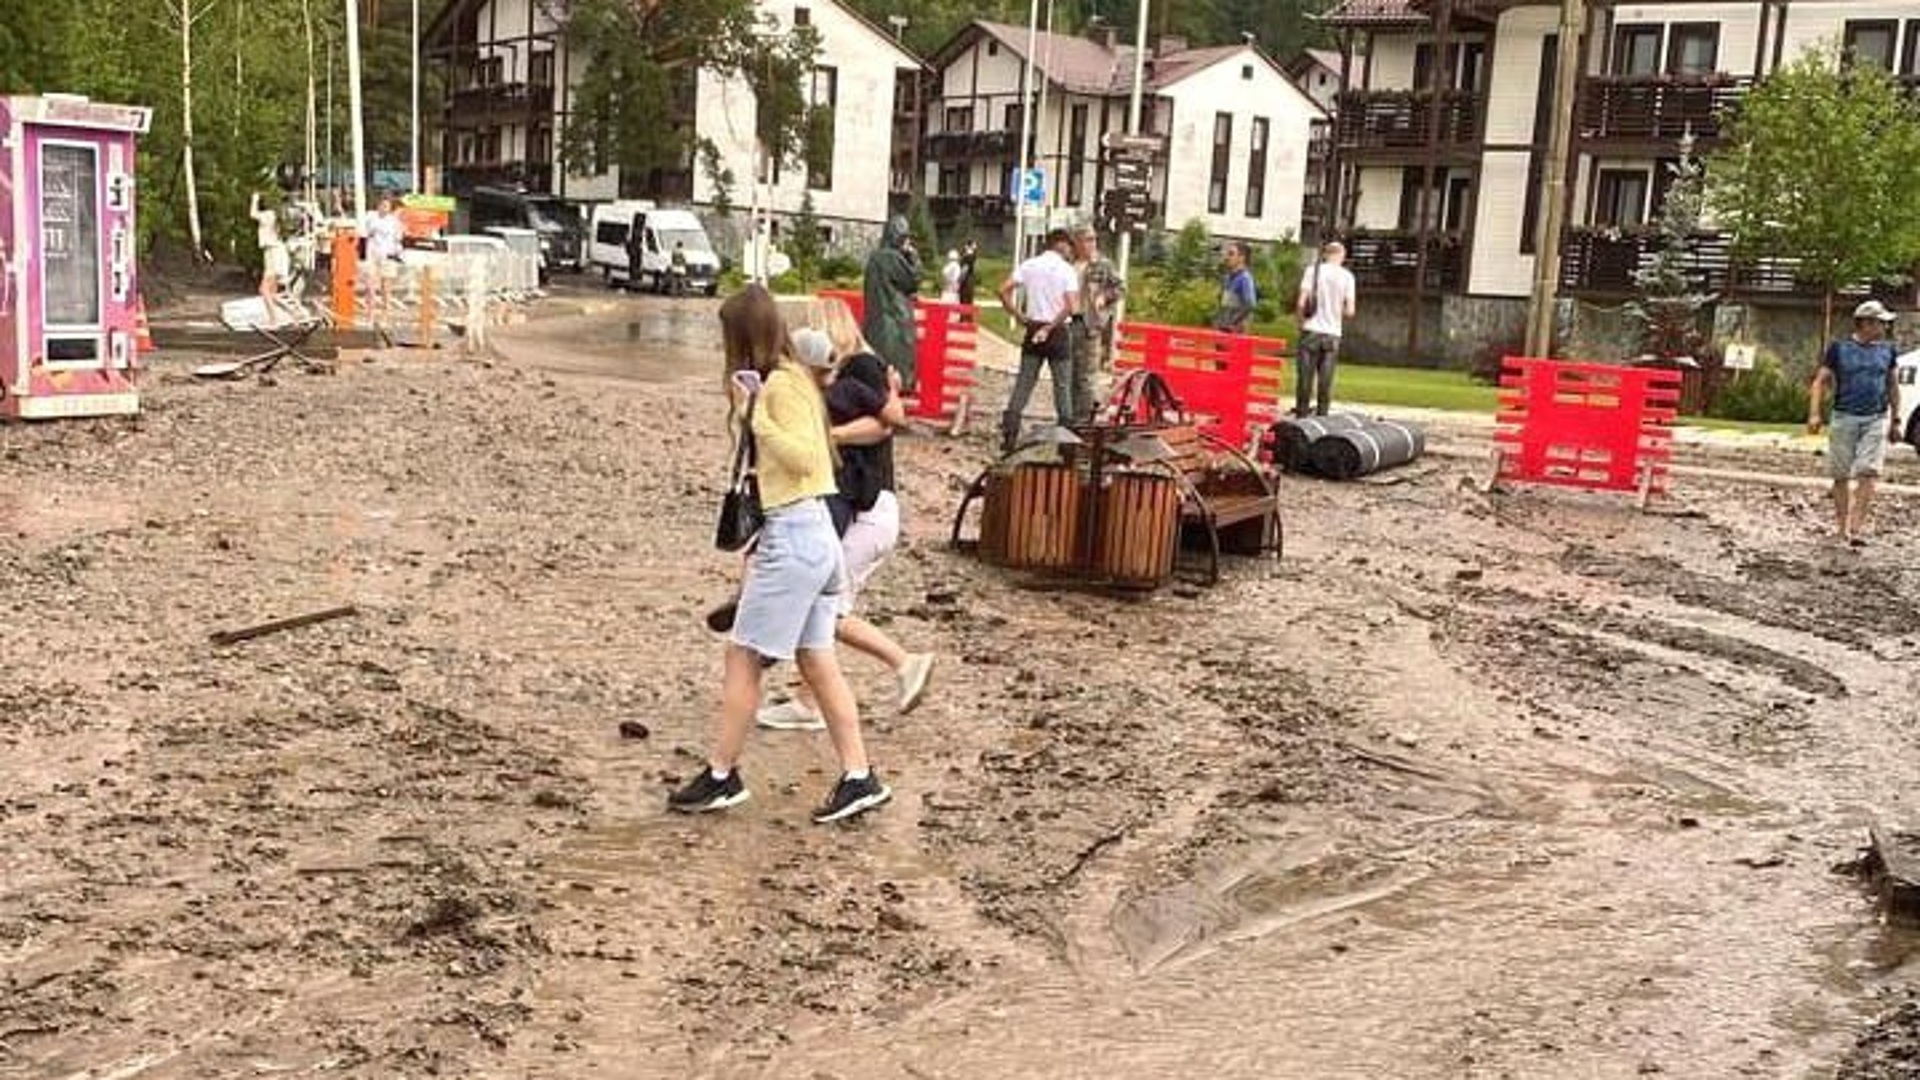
<point>142,330</point>
<point>945,358</point>
<point>346,274</point>
<point>1231,382</point>
<point>1600,427</point>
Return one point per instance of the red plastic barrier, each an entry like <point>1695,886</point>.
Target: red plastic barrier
<point>1231,381</point>
<point>1595,426</point>
<point>945,358</point>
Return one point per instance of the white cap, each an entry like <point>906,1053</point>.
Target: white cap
<point>812,348</point>
<point>1873,309</point>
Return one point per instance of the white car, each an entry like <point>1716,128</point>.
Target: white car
<point>1908,367</point>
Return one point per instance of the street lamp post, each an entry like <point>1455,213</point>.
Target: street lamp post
<point>1026,135</point>
<point>1133,128</point>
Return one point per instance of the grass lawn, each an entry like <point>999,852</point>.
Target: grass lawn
<point>1415,388</point>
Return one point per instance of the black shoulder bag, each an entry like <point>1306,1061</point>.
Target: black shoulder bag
<point>740,513</point>
<point>1312,303</point>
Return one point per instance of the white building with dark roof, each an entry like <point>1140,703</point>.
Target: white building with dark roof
<point>509,79</point>
<point>1237,131</point>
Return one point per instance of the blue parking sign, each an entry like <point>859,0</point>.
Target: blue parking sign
<point>1033,188</point>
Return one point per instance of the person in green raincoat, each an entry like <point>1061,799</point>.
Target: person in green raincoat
<point>892,281</point>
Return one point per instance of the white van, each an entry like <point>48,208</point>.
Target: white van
<point>608,230</point>
<point>661,233</point>
<point>654,235</point>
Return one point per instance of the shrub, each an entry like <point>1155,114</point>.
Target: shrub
<point>841,269</point>
<point>1766,394</point>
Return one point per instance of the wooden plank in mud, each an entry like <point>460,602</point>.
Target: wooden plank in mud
<point>1895,862</point>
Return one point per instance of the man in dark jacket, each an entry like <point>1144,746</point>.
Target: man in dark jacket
<point>892,281</point>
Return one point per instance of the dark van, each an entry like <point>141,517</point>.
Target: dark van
<point>562,232</point>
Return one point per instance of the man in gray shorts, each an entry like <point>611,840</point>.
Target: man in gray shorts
<point>1859,373</point>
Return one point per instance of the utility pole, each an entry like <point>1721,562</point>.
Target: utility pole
<point>413,133</point>
<point>1025,157</point>
<point>356,122</point>
<point>1133,128</point>
<point>1546,267</point>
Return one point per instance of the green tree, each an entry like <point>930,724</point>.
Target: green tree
<point>1819,168</point>
<point>803,242</point>
<point>633,101</point>
<point>1668,307</point>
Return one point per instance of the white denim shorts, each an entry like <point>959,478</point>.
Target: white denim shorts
<point>795,579</point>
<point>869,540</point>
<point>1856,445</point>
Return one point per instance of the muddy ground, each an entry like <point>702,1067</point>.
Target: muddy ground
<point>1522,786</point>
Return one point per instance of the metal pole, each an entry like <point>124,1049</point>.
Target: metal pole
<point>313,119</point>
<point>1546,268</point>
<point>356,120</point>
<point>331,179</point>
<point>1039,132</point>
<point>1026,135</point>
<point>1133,128</point>
<point>413,133</point>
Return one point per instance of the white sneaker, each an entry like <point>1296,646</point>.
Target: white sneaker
<point>914,677</point>
<point>790,716</point>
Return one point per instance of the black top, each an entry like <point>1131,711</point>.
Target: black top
<point>862,390</point>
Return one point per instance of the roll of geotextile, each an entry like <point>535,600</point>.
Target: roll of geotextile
<point>1293,436</point>
<point>1367,448</point>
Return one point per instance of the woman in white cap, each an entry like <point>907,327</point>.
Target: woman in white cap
<point>1859,373</point>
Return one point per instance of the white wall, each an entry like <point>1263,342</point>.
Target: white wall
<point>1377,205</point>
<point>1498,267</point>
<point>1513,85</point>
<point>1224,87</point>
<point>726,113</point>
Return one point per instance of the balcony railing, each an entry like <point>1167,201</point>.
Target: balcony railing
<point>1391,260</point>
<point>984,209</point>
<point>971,145</point>
<point>536,176</point>
<point>1599,261</point>
<point>1662,107</point>
<point>476,102</point>
<point>1399,120</point>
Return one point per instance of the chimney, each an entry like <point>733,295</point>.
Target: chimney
<point>1102,31</point>
<point>1170,44</point>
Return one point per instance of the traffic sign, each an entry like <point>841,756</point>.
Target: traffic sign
<point>1121,142</point>
<point>1132,175</point>
<point>1033,188</point>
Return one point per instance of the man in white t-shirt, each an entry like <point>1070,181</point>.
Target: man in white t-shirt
<point>1325,304</point>
<point>1049,297</point>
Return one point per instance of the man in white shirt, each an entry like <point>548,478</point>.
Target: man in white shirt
<point>1325,304</point>
<point>1050,297</point>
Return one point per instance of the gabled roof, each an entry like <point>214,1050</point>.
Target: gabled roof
<point>1081,65</point>
<point>888,39</point>
<point>1076,64</point>
<point>1389,14</point>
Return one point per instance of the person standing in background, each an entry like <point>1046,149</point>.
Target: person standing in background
<point>950,276</point>
<point>386,237</point>
<point>892,281</point>
<point>1325,303</point>
<point>1050,290</point>
<point>969,269</point>
<point>1860,374</point>
<point>1237,293</point>
<point>1100,291</point>
<point>277,267</point>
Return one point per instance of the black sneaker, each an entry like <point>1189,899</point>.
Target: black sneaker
<point>704,794</point>
<point>851,798</point>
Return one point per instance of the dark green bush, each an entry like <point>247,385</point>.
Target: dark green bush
<point>1767,394</point>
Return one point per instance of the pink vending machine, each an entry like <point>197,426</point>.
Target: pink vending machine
<point>68,305</point>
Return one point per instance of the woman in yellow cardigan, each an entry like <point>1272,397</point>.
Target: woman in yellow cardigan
<point>791,599</point>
